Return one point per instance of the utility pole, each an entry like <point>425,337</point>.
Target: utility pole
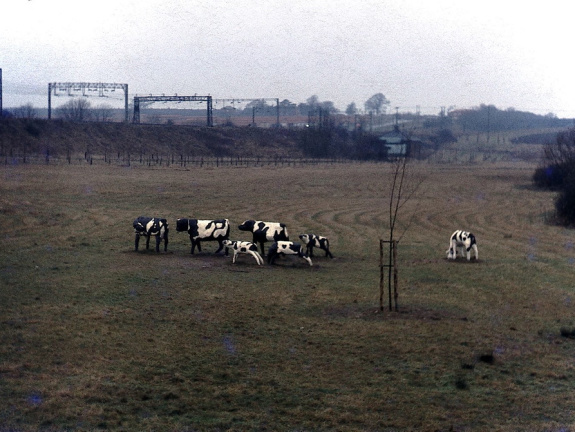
<point>49,101</point>
<point>488,121</point>
<point>1,92</point>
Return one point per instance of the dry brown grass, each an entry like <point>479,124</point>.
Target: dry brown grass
<point>94,336</point>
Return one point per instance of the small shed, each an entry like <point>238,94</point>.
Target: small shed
<point>399,144</point>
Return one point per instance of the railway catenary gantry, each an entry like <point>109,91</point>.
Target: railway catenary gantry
<point>86,89</point>
<point>151,98</point>
<point>255,108</point>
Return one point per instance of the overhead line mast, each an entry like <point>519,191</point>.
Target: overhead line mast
<point>71,88</point>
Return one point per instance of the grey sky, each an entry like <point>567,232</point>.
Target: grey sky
<point>418,53</point>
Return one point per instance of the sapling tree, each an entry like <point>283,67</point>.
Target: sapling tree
<point>402,188</point>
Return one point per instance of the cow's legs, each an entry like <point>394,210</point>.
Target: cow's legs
<point>193,245</point>
<point>257,257</point>
<point>305,257</point>
<point>137,241</point>
<point>271,258</point>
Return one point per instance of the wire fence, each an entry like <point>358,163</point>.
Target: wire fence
<point>173,160</point>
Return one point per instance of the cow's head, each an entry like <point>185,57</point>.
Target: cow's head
<point>182,224</point>
<point>304,238</point>
<point>247,225</point>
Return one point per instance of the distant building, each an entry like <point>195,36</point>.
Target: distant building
<point>399,144</point>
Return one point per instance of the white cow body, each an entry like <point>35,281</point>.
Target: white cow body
<point>263,232</point>
<point>465,242</point>
<point>287,248</point>
<point>148,227</point>
<point>243,247</point>
<point>312,240</point>
<point>204,230</point>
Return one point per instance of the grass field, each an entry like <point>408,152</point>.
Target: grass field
<point>95,336</point>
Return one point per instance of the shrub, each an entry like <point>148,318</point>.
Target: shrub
<point>565,202</point>
<point>550,177</point>
<point>557,172</point>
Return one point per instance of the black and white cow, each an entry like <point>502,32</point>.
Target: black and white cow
<point>243,247</point>
<point>265,231</point>
<point>286,248</point>
<point>205,230</point>
<point>312,240</point>
<point>465,241</point>
<point>148,227</point>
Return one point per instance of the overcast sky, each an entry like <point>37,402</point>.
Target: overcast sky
<point>430,53</point>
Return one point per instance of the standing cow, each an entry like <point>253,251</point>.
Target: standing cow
<point>286,248</point>
<point>312,240</point>
<point>265,232</point>
<point>205,230</point>
<point>465,241</point>
<point>148,227</point>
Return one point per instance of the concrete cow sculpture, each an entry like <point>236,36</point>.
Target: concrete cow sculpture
<point>243,247</point>
<point>465,242</point>
<point>312,240</point>
<point>148,227</point>
<point>286,248</point>
<point>265,232</point>
<point>205,230</point>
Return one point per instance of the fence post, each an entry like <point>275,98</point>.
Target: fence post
<point>381,275</point>
<point>395,274</point>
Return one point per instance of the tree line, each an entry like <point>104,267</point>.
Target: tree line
<point>81,109</point>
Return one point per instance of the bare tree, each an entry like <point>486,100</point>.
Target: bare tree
<point>103,113</point>
<point>75,110</point>
<point>557,162</point>
<point>312,101</point>
<point>403,186</point>
<point>26,111</point>
<point>328,106</point>
<point>377,104</point>
<point>562,152</point>
<point>351,109</point>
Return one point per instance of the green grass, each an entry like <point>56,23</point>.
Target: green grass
<point>95,336</point>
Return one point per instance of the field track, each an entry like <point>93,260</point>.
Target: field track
<point>95,336</point>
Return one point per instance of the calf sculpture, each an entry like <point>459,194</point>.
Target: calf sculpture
<point>243,247</point>
<point>312,240</point>
<point>465,242</point>
<point>286,248</point>
<point>265,231</point>
<point>148,227</point>
<point>205,230</point>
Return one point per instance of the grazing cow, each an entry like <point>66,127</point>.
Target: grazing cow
<point>286,248</point>
<point>205,230</point>
<point>312,240</point>
<point>148,227</point>
<point>265,231</point>
<point>463,240</point>
<point>243,247</point>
